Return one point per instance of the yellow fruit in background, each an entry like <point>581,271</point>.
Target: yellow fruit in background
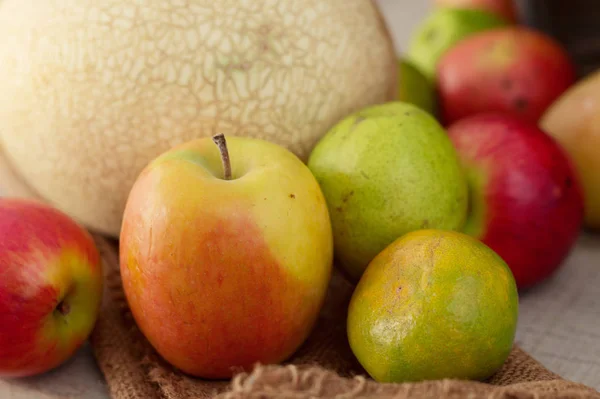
<point>574,121</point>
<point>92,91</point>
<point>434,304</point>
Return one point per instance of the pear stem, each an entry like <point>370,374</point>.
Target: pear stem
<point>221,142</point>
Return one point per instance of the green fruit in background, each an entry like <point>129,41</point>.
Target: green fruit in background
<point>441,30</point>
<point>434,305</point>
<point>385,171</point>
<point>414,88</point>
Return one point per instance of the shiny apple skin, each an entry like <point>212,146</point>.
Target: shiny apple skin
<point>222,274</point>
<point>512,70</point>
<point>50,287</point>
<point>526,200</point>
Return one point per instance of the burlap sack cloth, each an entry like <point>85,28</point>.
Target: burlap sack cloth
<point>323,368</point>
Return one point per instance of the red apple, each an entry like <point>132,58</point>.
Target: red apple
<point>514,69</point>
<point>226,255</point>
<point>525,196</point>
<point>50,287</point>
<point>503,8</point>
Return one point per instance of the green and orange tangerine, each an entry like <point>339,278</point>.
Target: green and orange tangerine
<point>434,304</point>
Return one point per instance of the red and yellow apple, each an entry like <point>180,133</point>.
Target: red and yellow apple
<point>504,8</point>
<point>50,287</point>
<point>514,69</point>
<point>226,254</point>
<point>526,202</point>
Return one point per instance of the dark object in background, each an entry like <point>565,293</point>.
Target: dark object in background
<point>574,23</point>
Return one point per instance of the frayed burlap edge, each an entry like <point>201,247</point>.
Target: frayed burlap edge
<point>315,382</point>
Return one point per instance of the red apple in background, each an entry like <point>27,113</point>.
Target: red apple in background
<point>503,8</point>
<point>515,70</point>
<point>525,197</point>
<point>50,287</point>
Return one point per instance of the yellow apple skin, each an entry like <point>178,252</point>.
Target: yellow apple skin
<point>574,121</point>
<point>222,274</point>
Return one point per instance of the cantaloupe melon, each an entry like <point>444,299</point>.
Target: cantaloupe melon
<point>92,91</point>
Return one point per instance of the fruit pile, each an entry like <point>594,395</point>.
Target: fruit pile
<point>505,95</point>
<point>439,206</point>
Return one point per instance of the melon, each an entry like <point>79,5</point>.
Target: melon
<point>92,91</point>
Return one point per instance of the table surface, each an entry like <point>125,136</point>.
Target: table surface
<point>559,321</point>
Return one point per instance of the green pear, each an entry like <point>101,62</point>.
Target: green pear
<point>414,88</point>
<point>387,170</point>
<point>442,29</point>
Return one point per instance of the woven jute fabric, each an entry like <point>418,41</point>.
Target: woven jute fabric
<point>324,367</point>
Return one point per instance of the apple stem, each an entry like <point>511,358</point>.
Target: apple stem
<point>63,308</point>
<point>220,141</point>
